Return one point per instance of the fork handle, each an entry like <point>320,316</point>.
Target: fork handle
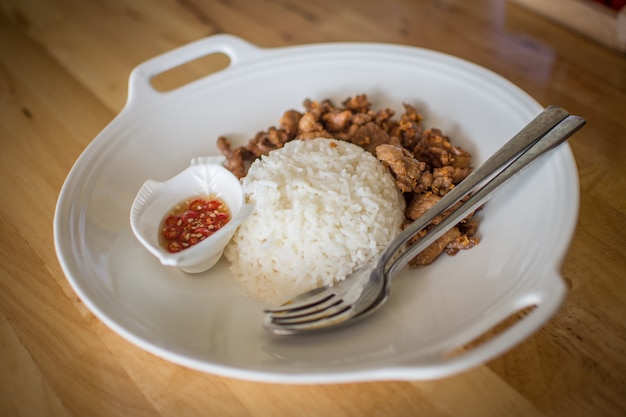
<point>552,127</point>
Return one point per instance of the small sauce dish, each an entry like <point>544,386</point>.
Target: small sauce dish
<point>206,176</point>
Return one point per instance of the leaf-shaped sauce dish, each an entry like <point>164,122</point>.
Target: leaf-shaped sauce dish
<point>205,177</point>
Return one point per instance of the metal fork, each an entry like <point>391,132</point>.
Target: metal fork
<point>367,288</point>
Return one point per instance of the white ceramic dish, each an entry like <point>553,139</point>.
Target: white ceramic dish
<point>204,322</point>
<point>205,176</point>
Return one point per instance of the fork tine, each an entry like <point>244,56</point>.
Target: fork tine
<point>329,312</point>
<point>315,309</point>
<point>303,301</point>
<point>334,315</point>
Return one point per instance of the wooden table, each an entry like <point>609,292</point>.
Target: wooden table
<point>64,66</point>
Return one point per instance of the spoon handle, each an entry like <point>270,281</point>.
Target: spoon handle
<point>547,130</point>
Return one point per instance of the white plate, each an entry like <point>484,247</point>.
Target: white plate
<point>204,321</point>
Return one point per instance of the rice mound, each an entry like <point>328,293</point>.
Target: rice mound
<point>323,208</point>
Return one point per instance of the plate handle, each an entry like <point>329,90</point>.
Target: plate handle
<point>548,297</point>
<point>140,89</point>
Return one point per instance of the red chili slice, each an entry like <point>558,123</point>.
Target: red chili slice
<point>174,247</point>
<point>198,205</point>
<point>186,216</point>
<point>220,217</point>
<point>184,237</point>
<point>204,232</point>
<point>213,205</point>
<point>171,232</point>
<point>172,220</point>
<point>193,223</point>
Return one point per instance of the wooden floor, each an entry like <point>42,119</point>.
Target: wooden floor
<point>64,67</point>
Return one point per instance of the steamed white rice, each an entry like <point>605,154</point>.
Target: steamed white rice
<point>323,208</point>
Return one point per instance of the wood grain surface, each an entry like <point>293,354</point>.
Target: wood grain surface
<point>64,67</point>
